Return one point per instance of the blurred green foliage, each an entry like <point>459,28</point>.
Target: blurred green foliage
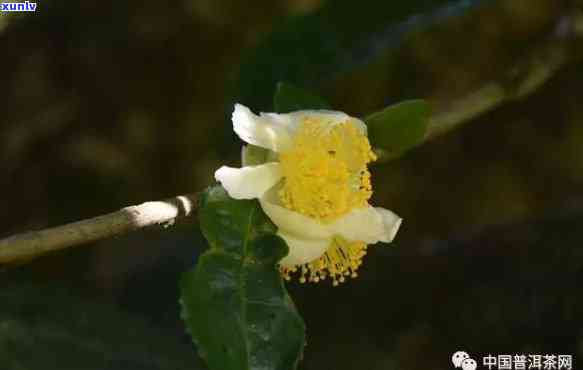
<point>289,98</point>
<point>47,326</point>
<point>312,49</point>
<point>105,108</point>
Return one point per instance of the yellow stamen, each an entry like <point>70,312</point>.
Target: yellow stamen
<point>341,260</point>
<point>325,172</point>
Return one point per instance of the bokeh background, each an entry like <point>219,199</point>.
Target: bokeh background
<point>112,103</point>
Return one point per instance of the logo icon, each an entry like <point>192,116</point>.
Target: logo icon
<point>458,357</point>
<point>469,364</point>
<point>462,360</point>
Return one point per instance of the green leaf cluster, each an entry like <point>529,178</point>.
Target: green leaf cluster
<point>234,302</point>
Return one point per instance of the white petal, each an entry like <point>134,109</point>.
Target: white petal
<point>391,223</point>
<point>275,131</point>
<point>302,250</point>
<point>292,222</point>
<point>249,182</point>
<point>362,224</point>
<point>360,125</point>
<point>262,131</point>
<point>367,224</point>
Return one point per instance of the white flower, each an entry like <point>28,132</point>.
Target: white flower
<point>315,188</point>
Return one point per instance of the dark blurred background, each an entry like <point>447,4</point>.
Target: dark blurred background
<point>112,103</point>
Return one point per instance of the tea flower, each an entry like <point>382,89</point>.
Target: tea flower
<point>315,187</point>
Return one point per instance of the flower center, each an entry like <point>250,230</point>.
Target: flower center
<point>341,260</point>
<point>325,172</point>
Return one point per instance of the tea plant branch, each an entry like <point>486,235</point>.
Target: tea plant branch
<point>22,247</point>
<point>533,71</point>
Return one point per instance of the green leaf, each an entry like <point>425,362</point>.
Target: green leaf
<point>398,127</point>
<point>234,302</point>
<point>289,98</point>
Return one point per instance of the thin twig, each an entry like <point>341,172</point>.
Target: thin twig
<point>534,70</point>
<point>35,243</point>
<point>525,78</point>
